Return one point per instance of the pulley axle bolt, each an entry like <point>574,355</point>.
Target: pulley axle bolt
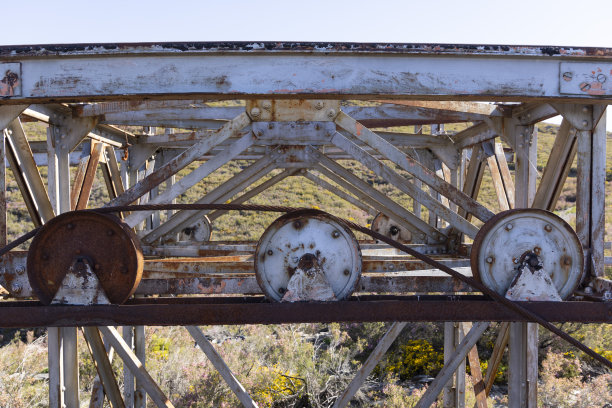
<point>548,227</point>
<point>508,227</point>
<point>490,259</point>
<point>335,234</point>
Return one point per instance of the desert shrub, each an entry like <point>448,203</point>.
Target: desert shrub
<point>415,357</point>
<point>561,384</point>
<point>159,347</point>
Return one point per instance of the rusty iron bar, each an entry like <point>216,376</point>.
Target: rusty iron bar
<point>217,310</point>
<point>515,307</point>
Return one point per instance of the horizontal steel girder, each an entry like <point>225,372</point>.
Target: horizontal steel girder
<point>255,310</point>
<point>235,70</point>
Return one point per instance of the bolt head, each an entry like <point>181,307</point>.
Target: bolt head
<point>346,272</point>
<point>270,125</point>
<point>319,105</point>
<point>585,123</point>
<point>548,227</point>
<point>490,260</point>
<point>259,133</point>
<point>335,234</point>
<point>270,252</point>
<point>585,109</point>
<point>331,113</point>
<point>588,290</point>
<point>509,227</point>
<point>267,105</point>
<point>255,112</point>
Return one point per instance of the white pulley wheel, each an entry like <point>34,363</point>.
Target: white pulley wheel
<point>302,234</point>
<point>503,239</point>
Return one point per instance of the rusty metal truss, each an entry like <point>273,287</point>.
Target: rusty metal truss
<point>158,119</point>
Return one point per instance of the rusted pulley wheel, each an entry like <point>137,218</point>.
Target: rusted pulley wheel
<point>507,238</point>
<point>308,241</point>
<point>103,242</point>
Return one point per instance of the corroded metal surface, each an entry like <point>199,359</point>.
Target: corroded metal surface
<point>102,240</point>
<point>293,236</point>
<point>253,310</point>
<point>506,237</point>
<point>308,47</point>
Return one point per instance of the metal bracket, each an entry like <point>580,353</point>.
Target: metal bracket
<point>294,133</point>
<point>576,78</point>
<point>286,110</point>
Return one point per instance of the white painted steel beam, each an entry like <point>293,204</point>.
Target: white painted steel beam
<point>232,128</point>
<point>485,73</point>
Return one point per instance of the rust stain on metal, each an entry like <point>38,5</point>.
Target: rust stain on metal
<point>9,83</point>
<point>323,47</point>
<point>116,256</point>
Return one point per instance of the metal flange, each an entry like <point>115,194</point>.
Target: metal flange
<point>201,231</point>
<point>309,242</point>
<point>391,229</point>
<point>100,241</point>
<point>500,244</point>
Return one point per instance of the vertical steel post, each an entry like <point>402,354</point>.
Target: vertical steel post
<point>54,339</point>
<point>590,194</point>
<point>128,377</point>
<point>68,334</point>
<point>454,390</point>
<point>523,340</point>
<point>140,348</point>
<point>3,239</point>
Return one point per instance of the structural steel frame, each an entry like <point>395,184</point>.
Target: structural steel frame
<point>301,109</point>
